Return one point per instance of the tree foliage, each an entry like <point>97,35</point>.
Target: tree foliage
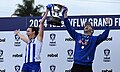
<point>28,9</point>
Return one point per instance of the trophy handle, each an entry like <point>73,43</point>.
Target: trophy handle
<point>59,6</point>
<point>54,18</point>
<point>50,12</point>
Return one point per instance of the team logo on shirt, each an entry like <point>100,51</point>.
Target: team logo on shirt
<point>17,68</point>
<point>52,38</point>
<point>17,41</point>
<point>52,68</point>
<point>106,55</point>
<point>70,55</point>
<point>1,56</point>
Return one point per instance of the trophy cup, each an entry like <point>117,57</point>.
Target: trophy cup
<point>54,17</point>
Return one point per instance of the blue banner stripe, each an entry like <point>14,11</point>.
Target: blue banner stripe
<point>97,21</point>
<point>29,52</point>
<point>34,52</point>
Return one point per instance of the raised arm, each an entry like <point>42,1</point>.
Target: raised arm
<point>22,37</point>
<point>70,29</point>
<point>41,26</point>
<point>105,34</point>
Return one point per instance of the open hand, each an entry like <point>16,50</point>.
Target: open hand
<point>49,6</point>
<point>65,9</point>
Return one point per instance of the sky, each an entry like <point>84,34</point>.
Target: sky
<point>76,7</point>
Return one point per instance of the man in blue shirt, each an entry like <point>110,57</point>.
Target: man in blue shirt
<point>85,44</point>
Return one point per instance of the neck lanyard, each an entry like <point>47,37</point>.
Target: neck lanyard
<point>84,40</point>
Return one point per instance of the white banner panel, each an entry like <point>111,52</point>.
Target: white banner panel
<point>58,46</point>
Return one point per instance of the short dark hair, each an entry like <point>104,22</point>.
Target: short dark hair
<point>36,29</point>
<point>88,23</point>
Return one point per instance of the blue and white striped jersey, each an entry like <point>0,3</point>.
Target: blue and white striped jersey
<point>33,50</point>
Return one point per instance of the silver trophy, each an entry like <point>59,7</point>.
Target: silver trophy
<point>54,18</point>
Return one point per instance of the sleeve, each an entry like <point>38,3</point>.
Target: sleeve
<point>104,35</point>
<point>70,29</point>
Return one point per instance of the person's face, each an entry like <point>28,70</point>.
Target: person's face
<point>88,29</point>
<point>30,33</point>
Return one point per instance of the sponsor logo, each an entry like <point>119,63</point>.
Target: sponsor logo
<point>17,41</point>
<point>52,55</point>
<point>67,70</point>
<point>70,55</point>
<point>17,68</point>
<point>69,39</point>
<point>2,39</point>
<point>52,68</point>
<point>17,55</point>
<point>109,39</point>
<point>52,38</point>
<point>1,56</point>
<point>107,70</point>
<point>2,70</point>
<point>106,55</point>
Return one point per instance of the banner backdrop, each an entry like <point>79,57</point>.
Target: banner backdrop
<point>58,46</point>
